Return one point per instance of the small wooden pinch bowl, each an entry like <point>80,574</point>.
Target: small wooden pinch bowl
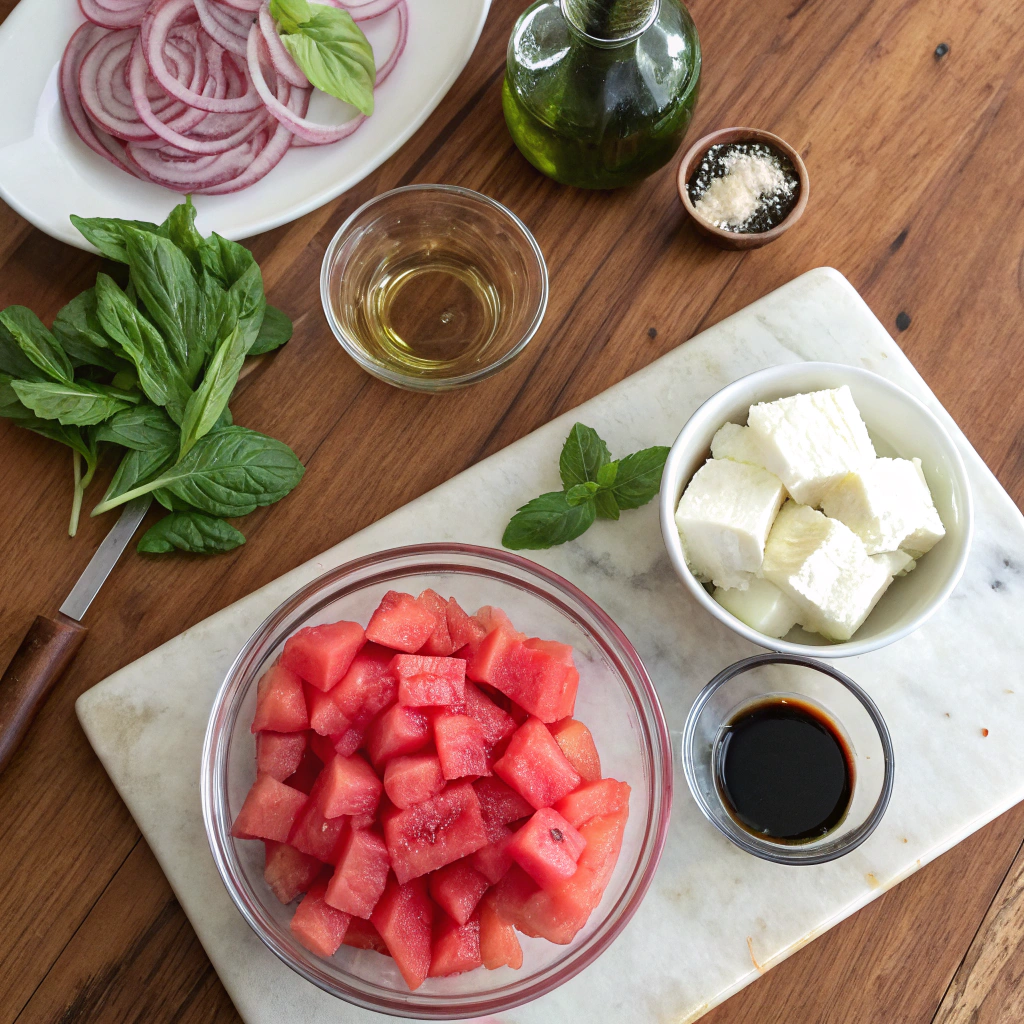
<point>735,239</point>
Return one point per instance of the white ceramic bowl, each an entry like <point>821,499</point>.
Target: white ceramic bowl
<point>899,426</point>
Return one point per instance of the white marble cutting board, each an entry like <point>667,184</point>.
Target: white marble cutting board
<point>712,910</point>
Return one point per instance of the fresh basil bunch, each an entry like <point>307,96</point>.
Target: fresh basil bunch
<point>148,369</point>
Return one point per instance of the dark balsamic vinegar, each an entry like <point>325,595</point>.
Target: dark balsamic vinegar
<point>784,771</point>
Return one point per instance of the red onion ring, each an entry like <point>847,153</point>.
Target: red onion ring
<point>371,9</point>
<point>128,16</point>
<point>228,28</point>
<point>281,60</point>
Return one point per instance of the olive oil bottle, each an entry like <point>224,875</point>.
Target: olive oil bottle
<point>599,93</point>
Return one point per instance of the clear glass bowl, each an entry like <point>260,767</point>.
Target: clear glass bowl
<point>859,721</point>
<point>616,700</point>
<point>389,246</point>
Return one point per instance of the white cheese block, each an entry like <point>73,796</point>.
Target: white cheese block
<point>811,441</point>
<point>897,563</point>
<point>737,443</point>
<point>762,606</point>
<point>822,566</point>
<point>724,517</point>
<point>888,505</point>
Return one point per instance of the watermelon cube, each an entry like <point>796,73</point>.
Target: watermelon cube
<point>429,682</point>
<point>288,871</point>
<point>368,686</point>
<point>269,811</point>
<point>325,716</point>
<point>456,948</point>
<point>397,731</point>
<point>457,889</point>
<point>438,831</point>
<point>547,848</point>
<point>362,935</point>
<point>348,742</point>
<point>511,895</point>
<point>461,746</point>
<point>499,804</point>
<point>496,723</point>
<point>492,617</point>
<point>404,918</point>
<point>463,628</point>
<point>579,747</point>
<point>401,623</point>
<point>350,786</point>
<point>535,767</point>
<point>317,925</point>
<point>322,746</point>
<point>539,675</point>
<point>279,754</point>
<point>322,654</point>
<point>315,833</point>
<point>413,778</point>
<point>280,702</point>
<point>606,796</point>
<point>362,872</point>
<point>499,946</point>
<point>439,642</point>
<point>494,860</point>
<point>486,658</point>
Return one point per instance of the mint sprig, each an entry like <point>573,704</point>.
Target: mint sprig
<point>594,487</point>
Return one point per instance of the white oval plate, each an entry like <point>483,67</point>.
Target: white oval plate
<point>47,173</point>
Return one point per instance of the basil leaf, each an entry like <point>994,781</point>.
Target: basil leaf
<point>583,454</point>
<point>143,428</point>
<point>224,419</point>
<point>639,477</point>
<point>225,260</point>
<point>606,505</point>
<point>190,531</point>
<point>36,342</point>
<point>275,330</point>
<point>78,329</point>
<point>579,493</point>
<point>79,404</point>
<point>107,233</point>
<point>209,400</point>
<point>180,228</point>
<point>13,361</point>
<point>138,466</point>
<point>546,521</point>
<point>334,54</point>
<point>290,14</point>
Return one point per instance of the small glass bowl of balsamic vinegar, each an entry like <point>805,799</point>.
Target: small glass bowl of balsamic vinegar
<point>433,287</point>
<point>789,758</point>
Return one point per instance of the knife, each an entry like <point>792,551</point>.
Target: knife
<point>50,644</point>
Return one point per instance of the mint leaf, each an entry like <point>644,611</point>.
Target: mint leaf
<point>580,493</point>
<point>190,531</point>
<point>290,14</point>
<point>546,521</point>
<point>606,505</point>
<point>607,473</point>
<point>639,477</point>
<point>583,454</point>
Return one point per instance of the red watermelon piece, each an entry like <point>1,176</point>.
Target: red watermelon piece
<point>493,860</point>
<point>461,746</point>
<point>348,742</point>
<point>269,811</point>
<point>350,786</point>
<point>499,945</point>
<point>280,702</point>
<point>362,872</point>
<point>535,767</point>
<point>439,642</point>
<point>606,796</point>
<point>368,686</point>
<point>404,918</point>
<point>496,723</point>
<point>456,947</point>
<point>362,935</point>
<point>317,925</point>
<point>456,889</point>
<point>322,654</point>
<point>401,623</point>
<point>288,871</point>
<point>397,731</point>
<point>547,848</point>
<point>492,617</point>
<point>279,754</point>
<point>463,628</point>
<point>486,658</point>
<point>313,832</point>
<point>499,804</point>
<point>578,745</point>
<point>322,746</point>
<point>413,778</point>
<point>429,682</point>
<point>434,833</point>
<point>325,716</point>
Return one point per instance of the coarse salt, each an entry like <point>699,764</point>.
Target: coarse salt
<point>732,199</point>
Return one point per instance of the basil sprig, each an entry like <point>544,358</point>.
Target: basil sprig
<point>594,486</point>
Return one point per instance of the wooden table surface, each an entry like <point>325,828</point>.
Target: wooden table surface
<point>917,169</point>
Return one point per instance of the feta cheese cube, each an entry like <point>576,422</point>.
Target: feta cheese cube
<point>724,517</point>
<point>822,566</point>
<point>888,505</point>
<point>811,441</point>
<point>897,563</point>
<point>737,443</point>
<point>762,606</point>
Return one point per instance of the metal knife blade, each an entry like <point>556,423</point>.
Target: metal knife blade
<point>107,554</point>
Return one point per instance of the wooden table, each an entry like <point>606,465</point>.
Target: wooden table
<point>917,168</point>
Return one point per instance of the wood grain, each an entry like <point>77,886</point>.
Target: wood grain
<point>917,169</point>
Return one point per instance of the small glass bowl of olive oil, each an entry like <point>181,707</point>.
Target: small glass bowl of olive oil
<point>433,287</point>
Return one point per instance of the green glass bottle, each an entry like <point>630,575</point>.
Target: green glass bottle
<point>599,93</point>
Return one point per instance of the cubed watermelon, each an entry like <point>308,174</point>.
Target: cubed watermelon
<point>579,747</point>
<point>279,754</point>
<point>496,723</point>
<point>547,848</point>
<point>404,918</point>
<point>313,832</point>
<point>322,746</point>
<point>463,628</point>
<point>322,654</point>
<point>439,642</point>
<point>492,617</point>
<point>269,811</point>
<point>362,935</point>
<point>362,872</point>
<point>325,716</point>
<point>457,888</point>
<point>499,804</point>
<point>499,946</point>
<point>280,702</point>
<point>438,831</point>
<point>317,925</point>
<point>606,796</point>
<point>397,731</point>
<point>493,860</point>
<point>539,675</point>
<point>288,871</point>
<point>535,767</point>
<point>429,682</point>
<point>368,686</point>
<point>460,746</point>
<point>486,658</point>
<point>456,947</point>
<point>401,623</point>
<point>348,742</point>
<point>512,894</point>
<point>350,786</point>
<point>413,778</point>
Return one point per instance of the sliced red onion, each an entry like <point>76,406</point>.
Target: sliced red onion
<point>371,9</point>
<point>403,37</point>
<point>251,6</point>
<point>281,60</point>
<point>190,174</point>
<point>128,16</point>
<point>229,28</point>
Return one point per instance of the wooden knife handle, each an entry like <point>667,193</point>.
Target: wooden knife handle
<point>46,651</point>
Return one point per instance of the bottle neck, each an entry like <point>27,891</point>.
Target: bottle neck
<point>610,22</point>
